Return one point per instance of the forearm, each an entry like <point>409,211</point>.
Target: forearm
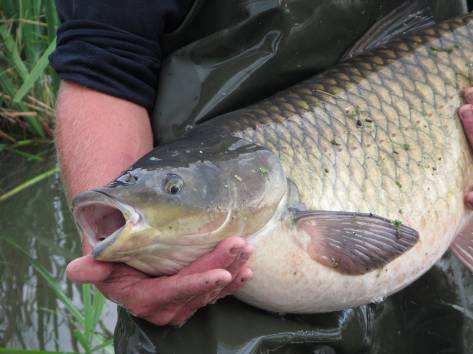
<point>97,136</point>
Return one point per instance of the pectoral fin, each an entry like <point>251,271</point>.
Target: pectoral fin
<point>354,243</point>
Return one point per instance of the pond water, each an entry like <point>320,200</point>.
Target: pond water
<point>38,220</point>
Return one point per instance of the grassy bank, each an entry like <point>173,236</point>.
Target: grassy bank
<point>28,85</point>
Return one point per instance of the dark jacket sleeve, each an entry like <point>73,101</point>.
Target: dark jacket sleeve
<point>113,46</point>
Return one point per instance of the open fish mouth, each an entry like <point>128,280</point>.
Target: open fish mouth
<point>102,218</point>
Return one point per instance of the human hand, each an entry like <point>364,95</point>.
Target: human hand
<point>168,299</point>
<point>466,115</point>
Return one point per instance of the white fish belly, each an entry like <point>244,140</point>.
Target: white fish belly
<point>287,280</point>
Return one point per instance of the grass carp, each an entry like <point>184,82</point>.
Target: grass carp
<point>349,185</point>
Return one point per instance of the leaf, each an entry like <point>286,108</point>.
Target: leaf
<point>35,73</point>
<point>28,183</point>
<point>82,340</point>
<point>9,87</point>
<point>26,155</point>
<point>12,51</point>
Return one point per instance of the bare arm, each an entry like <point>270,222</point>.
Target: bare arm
<point>98,136</point>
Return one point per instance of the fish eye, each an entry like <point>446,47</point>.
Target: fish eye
<point>173,184</point>
<point>128,178</point>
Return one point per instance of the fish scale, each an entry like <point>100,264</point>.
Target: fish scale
<point>404,96</point>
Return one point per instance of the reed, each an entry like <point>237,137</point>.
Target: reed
<point>28,85</point>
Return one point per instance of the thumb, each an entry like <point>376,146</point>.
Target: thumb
<point>87,270</point>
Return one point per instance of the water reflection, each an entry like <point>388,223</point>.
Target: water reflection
<point>37,220</point>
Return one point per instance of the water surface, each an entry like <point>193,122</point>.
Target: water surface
<point>38,220</point>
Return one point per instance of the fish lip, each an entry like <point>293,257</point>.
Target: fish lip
<point>99,197</point>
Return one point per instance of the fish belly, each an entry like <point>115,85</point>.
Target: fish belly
<point>377,134</point>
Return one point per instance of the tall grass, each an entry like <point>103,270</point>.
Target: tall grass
<point>28,85</point>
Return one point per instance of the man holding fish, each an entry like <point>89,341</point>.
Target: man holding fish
<point>109,67</point>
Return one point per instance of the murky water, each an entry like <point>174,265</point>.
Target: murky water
<point>37,220</point>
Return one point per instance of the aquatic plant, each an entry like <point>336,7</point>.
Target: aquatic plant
<point>28,85</point>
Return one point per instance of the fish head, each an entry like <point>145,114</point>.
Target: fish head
<point>177,202</point>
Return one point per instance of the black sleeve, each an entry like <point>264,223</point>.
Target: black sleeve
<point>113,46</point>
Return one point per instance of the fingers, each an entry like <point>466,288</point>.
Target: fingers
<point>186,311</point>
<point>163,318</point>
<point>230,254</point>
<point>87,270</point>
<point>239,280</point>
<point>468,94</point>
<point>158,300</point>
<point>240,261</point>
<point>177,289</point>
<point>221,257</point>
<point>466,114</point>
<point>189,308</point>
<point>169,300</point>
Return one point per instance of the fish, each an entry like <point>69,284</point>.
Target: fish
<point>349,185</point>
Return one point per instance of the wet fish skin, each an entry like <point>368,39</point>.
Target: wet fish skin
<point>365,135</point>
<point>376,134</point>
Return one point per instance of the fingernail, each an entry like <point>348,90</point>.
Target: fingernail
<point>247,275</point>
<point>468,94</point>
<point>466,112</point>
<point>244,257</point>
<point>235,250</point>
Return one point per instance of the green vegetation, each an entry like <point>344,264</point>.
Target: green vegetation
<point>263,171</point>
<point>28,183</point>
<point>28,85</point>
<point>397,224</point>
<point>84,320</point>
